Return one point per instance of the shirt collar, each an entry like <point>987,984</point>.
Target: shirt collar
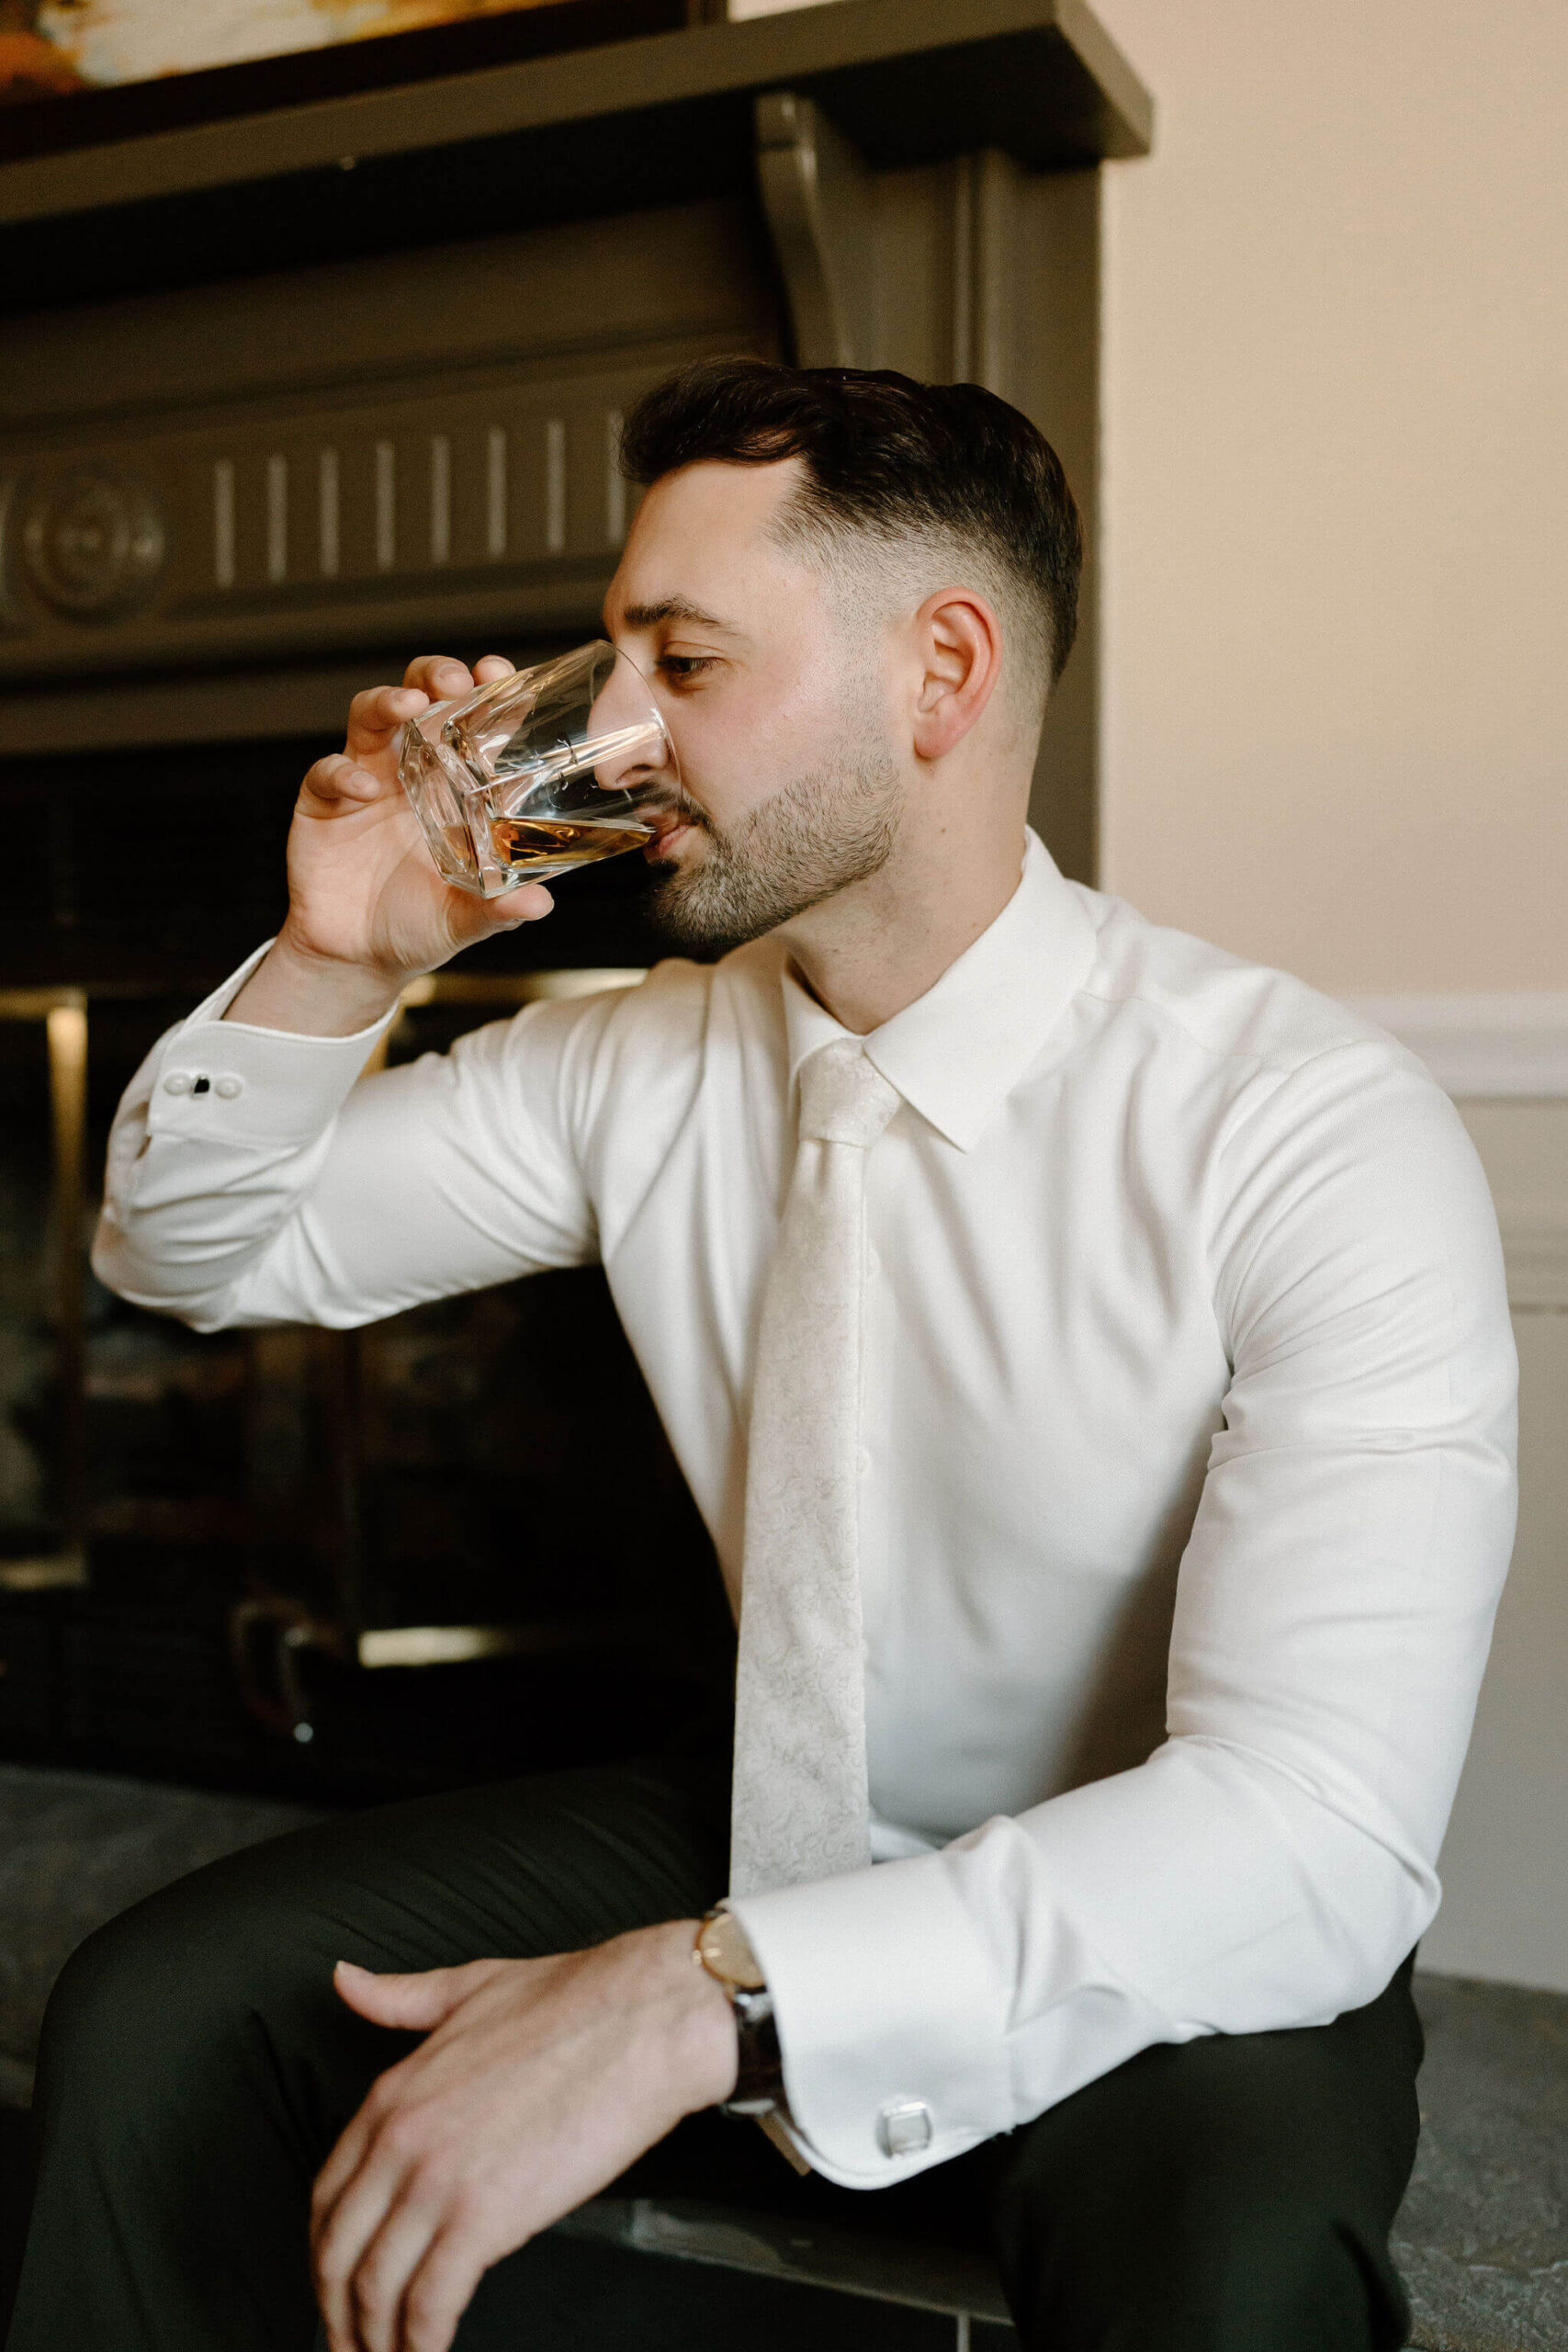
<point>959,1050</point>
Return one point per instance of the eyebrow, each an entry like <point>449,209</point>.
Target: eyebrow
<point>671,608</point>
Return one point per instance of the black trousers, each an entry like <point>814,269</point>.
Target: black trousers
<point>1229,2195</point>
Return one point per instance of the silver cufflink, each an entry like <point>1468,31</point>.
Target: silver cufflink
<point>904,2127</point>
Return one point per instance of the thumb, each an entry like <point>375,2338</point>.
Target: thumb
<point>415,2004</point>
<point>471,919</point>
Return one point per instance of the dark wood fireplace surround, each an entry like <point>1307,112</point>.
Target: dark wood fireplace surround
<point>284,401</point>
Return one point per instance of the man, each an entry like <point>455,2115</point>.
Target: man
<point>1091,1355</point>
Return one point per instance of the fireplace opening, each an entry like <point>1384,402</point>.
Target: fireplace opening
<point>343,1563</point>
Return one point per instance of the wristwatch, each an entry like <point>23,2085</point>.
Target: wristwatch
<point>721,1948</point>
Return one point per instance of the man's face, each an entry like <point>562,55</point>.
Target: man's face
<point>776,699</point>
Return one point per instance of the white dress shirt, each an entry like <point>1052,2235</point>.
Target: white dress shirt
<point>1186,1444</point>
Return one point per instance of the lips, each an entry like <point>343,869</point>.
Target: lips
<point>666,843</point>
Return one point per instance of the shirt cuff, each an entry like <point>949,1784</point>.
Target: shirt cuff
<point>891,2019</point>
<point>226,1082</point>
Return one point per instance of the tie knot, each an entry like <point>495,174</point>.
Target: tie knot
<point>843,1099</point>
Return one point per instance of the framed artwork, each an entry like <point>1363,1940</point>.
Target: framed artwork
<point>76,72</point>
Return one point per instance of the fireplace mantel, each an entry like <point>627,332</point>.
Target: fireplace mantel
<point>909,81</point>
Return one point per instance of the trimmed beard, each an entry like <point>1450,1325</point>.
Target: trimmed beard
<point>819,834</point>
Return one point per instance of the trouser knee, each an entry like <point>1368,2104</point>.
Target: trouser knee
<point>113,2013</point>
<point>201,1997</point>
<point>1288,2275</point>
<point>183,2108</point>
<point>1219,2271</point>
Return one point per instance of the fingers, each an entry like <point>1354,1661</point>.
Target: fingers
<point>337,785</point>
<point>332,2181</point>
<point>439,675</point>
<point>379,2205</point>
<point>442,675</point>
<point>441,2290</point>
<point>343,2231</point>
<point>381,2277</point>
<point>375,715</point>
<point>415,2003</point>
<point>412,2284</point>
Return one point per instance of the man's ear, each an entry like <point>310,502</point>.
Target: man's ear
<point>959,639</point>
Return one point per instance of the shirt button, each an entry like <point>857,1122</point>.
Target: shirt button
<point>179,1081</point>
<point>904,2127</point>
<point>229,1086</point>
<point>864,1460</point>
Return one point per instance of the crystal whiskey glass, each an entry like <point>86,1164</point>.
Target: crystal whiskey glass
<point>550,768</point>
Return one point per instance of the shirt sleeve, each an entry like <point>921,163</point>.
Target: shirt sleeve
<point>1274,1860</point>
<point>254,1177</point>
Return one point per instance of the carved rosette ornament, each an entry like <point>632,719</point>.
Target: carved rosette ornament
<point>93,543</point>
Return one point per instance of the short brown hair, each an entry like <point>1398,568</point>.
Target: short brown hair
<point>888,458</point>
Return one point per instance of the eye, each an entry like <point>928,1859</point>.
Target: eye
<point>683,668</point>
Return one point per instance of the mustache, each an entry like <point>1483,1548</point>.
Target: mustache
<point>672,806</point>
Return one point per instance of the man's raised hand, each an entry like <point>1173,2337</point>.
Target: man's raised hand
<point>367,911</point>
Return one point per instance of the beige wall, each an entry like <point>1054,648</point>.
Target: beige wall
<point>1336,534</point>
<point>1337,488</point>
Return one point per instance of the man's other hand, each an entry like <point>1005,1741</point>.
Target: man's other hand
<point>539,2081</point>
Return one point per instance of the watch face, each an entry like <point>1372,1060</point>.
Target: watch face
<point>725,1952</point>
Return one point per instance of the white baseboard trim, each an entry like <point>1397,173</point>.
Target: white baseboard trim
<point>1483,1047</point>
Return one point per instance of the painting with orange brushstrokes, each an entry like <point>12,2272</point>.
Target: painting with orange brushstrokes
<point>54,46</point>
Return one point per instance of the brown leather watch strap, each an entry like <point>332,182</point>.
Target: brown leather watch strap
<point>759,2081</point>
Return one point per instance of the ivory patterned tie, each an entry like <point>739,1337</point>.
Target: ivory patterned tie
<point>800,1804</point>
